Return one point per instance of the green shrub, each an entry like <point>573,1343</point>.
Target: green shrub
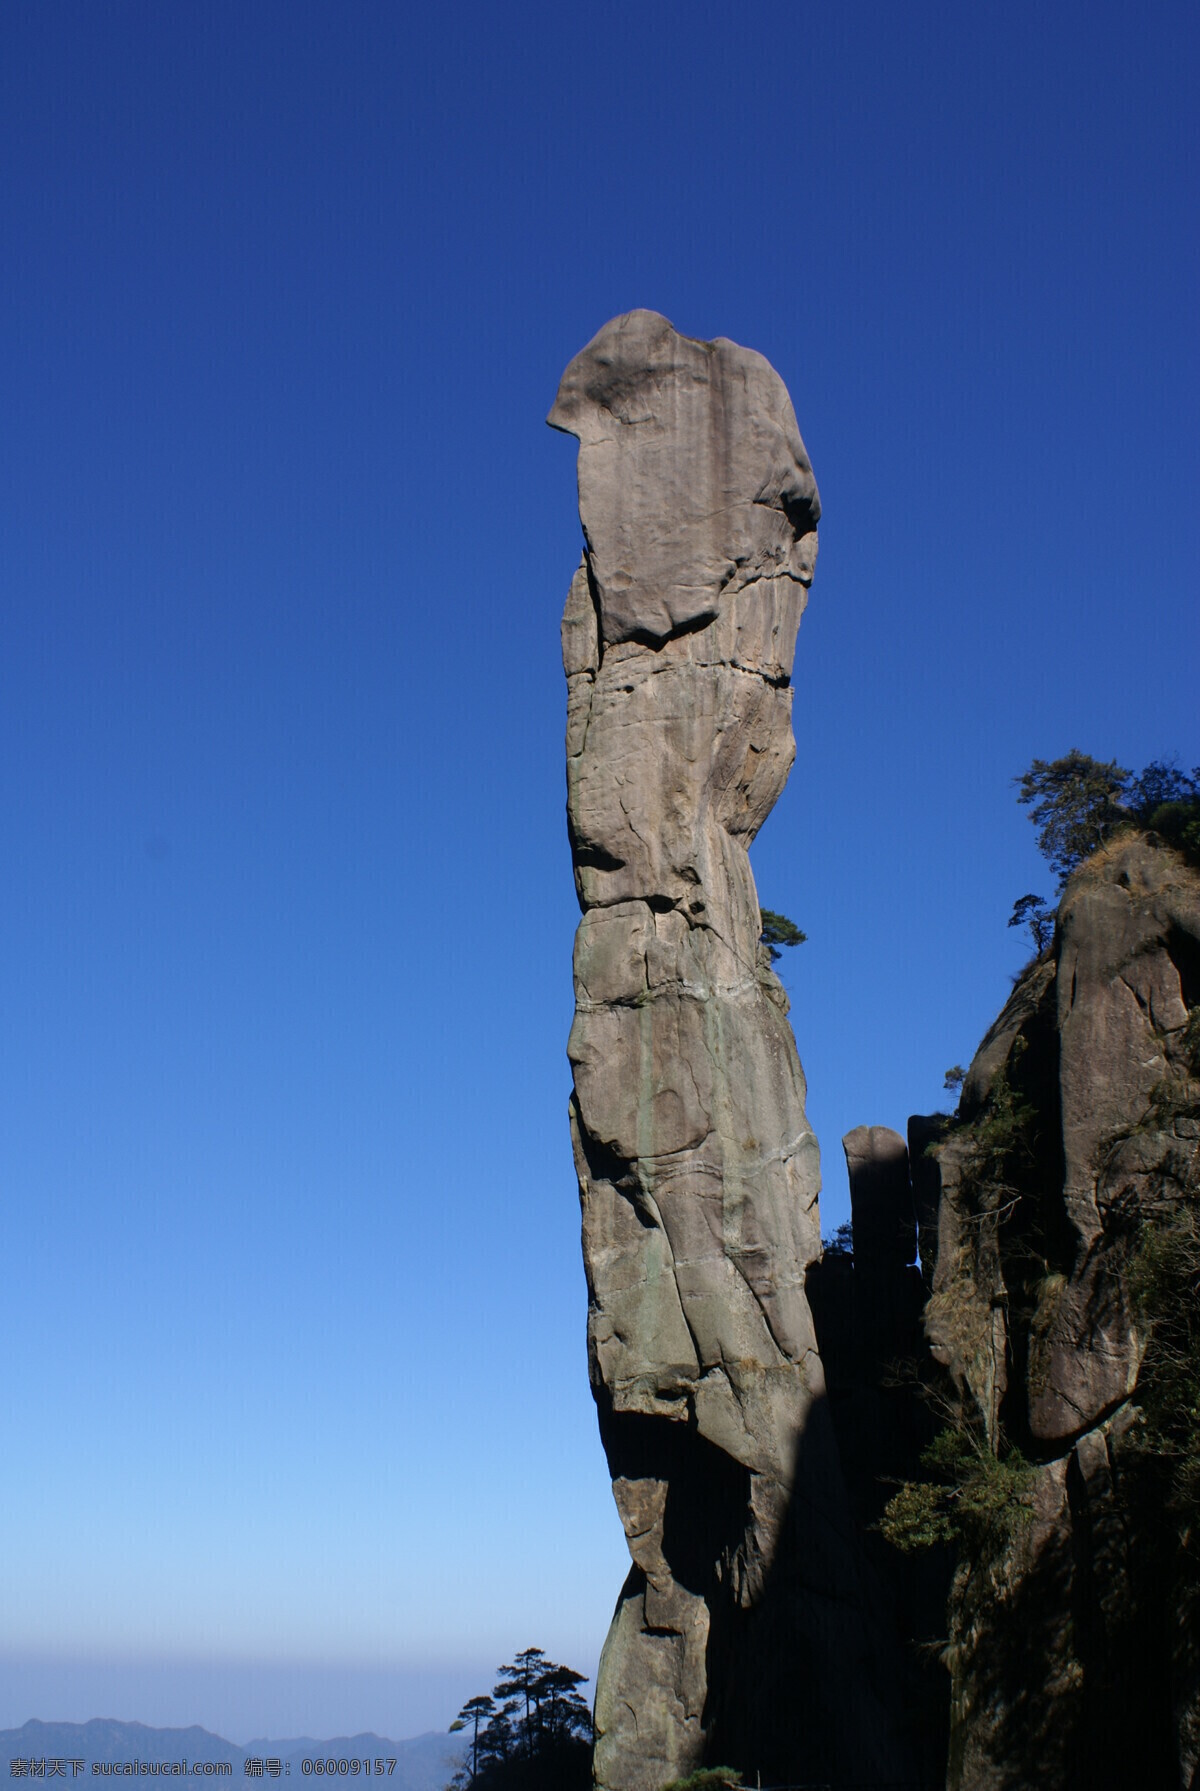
<point>1179,825</point>
<point>973,1497</point>
<point>1164,1280</point>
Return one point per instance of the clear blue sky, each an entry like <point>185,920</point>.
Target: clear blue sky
<point>297,1434</point>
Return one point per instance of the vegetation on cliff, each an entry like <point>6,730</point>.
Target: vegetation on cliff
<point>1061,1247</point>
<point>1082,804</point>
<point>1078,803</point>
<point>1162,1448</point>
<point>777,931</point>
<point>533,1733</point>
<point>978,1487</point>
<point>973,1498</point>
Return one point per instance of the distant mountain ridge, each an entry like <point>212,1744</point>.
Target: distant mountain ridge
<point>423,1762</point>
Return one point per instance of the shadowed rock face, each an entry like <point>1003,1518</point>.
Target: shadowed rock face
<point>1076,1655</point>
<point>698,1171</point>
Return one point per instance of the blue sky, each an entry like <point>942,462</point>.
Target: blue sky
<point>297,1430</point>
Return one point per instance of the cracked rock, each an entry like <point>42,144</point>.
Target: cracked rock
<point>698,1171</point>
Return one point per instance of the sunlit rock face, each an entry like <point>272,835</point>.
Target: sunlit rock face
<point>739,1633</point>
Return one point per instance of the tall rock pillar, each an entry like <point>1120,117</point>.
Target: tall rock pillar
<point>739,1631</point>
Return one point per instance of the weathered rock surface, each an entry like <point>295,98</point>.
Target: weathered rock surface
<point>741,1628</point>
<point>1068,1180</point>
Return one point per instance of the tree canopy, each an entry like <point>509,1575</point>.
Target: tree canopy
<point>1077,803</point>
<point>533,1734</point>
<point>778,930</point>
<point>1031,911</point>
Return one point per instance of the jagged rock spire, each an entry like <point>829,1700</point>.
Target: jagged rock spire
<point>740,1628</point>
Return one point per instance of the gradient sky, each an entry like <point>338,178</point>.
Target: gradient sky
<point>297,1433</point>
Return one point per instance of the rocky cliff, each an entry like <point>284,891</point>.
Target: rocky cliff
<point>1060,1249</point>
<point>743,1630</point>
<point>995,1470</point>
<point>1060,1236</point>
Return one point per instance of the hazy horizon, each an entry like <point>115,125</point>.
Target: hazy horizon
<point>407,1701</point>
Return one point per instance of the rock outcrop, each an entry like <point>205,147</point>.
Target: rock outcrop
<point>742,1630</point>
<point>1032,1386</point>
<point>1059,1238</point>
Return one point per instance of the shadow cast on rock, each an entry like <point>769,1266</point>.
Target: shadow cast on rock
<point>811,1689</point>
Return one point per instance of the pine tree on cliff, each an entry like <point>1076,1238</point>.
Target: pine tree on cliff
<point>1079,802</point>
<point>778,930</point>
<point>474,1712</point>
<point>538,1739</point>
<point>1076,803</point>
<point>520,1678</point>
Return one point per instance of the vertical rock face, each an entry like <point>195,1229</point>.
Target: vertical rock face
<point>698,1171</point>
<point>867,1297</point>
<point>881,1203</point>
<point>1064,1270</point>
